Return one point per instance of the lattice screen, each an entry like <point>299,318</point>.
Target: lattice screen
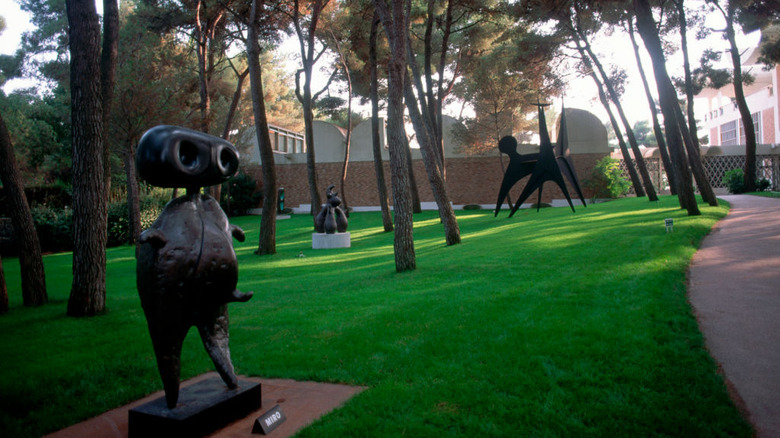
<point>767,166</point>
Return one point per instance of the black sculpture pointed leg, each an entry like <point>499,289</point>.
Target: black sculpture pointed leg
<point>167,342</point>
<point>214,333</point>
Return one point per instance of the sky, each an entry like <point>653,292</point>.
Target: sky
<point>581,92</point>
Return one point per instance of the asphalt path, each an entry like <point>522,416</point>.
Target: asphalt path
<point>734,289</point>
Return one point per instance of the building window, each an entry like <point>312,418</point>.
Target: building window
<point>756,127</point>
<point>728,133</point>
<point>285,141</point>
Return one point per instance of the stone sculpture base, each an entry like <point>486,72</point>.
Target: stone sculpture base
<point>203,407</point>
<point>329,241</point>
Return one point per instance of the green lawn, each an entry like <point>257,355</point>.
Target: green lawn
<point>546,324</point>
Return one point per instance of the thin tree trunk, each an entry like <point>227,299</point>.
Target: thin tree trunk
<point>133,199</point>
<point>88,291</point>
<point>30,259</point>
<point>689,94</point>
<point>108,57</point>
<point>742,106</point>
<point>415,194</point>
<point>668,99</point>
<point>428,150</point>
<point>216,190</point>
<point>635,181</point>
<point>306,43</point>
<point>659,133</point>
<point>395,23</point>
<point>439,103</point>
<point>267,240</point>
<point>694,159</point>
<point>428,116</point>
<point>348,140</point>
<point>387,220</point>
<point>638,158</point>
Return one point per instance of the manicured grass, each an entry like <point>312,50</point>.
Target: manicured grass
<point>546,324</point>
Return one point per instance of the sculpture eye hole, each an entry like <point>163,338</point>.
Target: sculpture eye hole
<point>227,161</point>
<point>188,154</point>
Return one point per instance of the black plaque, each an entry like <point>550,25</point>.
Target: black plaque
<point>269,421</point>
<point>203,408</point>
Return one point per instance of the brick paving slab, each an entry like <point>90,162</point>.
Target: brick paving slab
<point>734,289</point>
<point>301,403</point>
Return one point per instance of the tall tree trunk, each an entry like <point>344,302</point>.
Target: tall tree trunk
<point>203,34</point>
<point>635,181</point>
<point>690,133</point>
<point>428,150</point>
<point>307,48</point>
<point>428,113</point>
<point>668,99</point>
<point>133,195</point>
<point>439,103</point>
<point>638,158</point>
<point>267,241</point>
<point>348,139</point>
<point>395,23</point>
<point>742,106</point>
<point>387,220</point>
<point>659,133</point>
<point>689,94</point>
<point>694,159</point>
<point>216,190</point>
<point>30,259</point>
<point>414,193</point>
<point>88,291</point>
<point>108,57</point>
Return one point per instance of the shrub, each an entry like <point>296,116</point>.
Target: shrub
<point>607,180</point>
<point>54,227</point>
<point>240,195</point>
<point>762,184</point>
<point>734,180</point>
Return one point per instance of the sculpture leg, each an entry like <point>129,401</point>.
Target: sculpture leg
<point>539,198</point>
<point>167,338</point>
<point>214,332</point>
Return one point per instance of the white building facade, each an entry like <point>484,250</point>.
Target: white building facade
<point>722,121</point>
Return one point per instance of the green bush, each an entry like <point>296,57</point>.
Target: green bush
<point>54,227</point>
<point>734,180</point>
<point>239,195</point>
<point>607,180</point>
<point>762,184</point>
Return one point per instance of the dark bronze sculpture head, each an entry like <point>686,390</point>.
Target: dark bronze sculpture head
<point>186,269</point>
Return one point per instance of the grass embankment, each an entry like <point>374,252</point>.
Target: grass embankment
<point>546,324</point>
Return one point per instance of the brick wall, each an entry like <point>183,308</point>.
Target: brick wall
<point>470,180</point>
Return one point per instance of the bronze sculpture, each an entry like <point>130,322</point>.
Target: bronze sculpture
<point>550,164</point>
<point>332,218</point>
<point>186,266</point>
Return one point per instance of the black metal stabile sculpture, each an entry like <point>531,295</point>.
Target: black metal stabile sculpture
<point>332,218</point>
<point>550,164</point>
<point>186,266</point>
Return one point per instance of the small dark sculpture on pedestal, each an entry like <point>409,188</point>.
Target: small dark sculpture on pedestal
<point>331,218</point>
<point>550,164</point>
<point>187,269</point>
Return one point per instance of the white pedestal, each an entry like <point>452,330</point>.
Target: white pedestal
<point>329,241</point>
